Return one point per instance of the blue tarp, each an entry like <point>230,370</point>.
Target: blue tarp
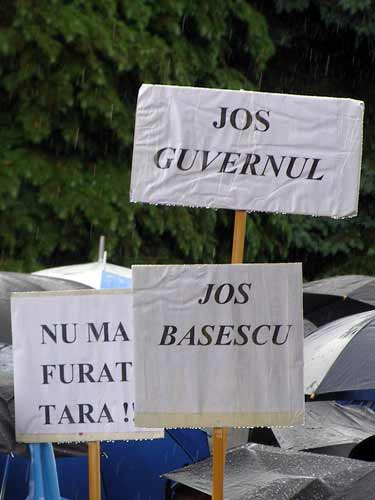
<point>130,470</point>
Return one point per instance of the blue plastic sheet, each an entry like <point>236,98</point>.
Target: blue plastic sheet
<point>43,484</point>
<point>110,280</point>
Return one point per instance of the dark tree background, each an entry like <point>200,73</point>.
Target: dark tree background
<point>69,76</point>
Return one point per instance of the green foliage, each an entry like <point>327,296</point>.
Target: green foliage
<point>69,76</point>
<point>291,5</point>
<point>327,48</point>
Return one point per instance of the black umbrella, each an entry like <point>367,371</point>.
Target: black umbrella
<point>339,359</point>
<point>20,282</point>
<point>263,473</point>
<point>330,428</point>
<point>332,298</point>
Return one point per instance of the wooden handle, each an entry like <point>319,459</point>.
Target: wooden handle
<point>94,470</point>
<point>219,437</point>
<point>239,234</point>
<point>219,444</point>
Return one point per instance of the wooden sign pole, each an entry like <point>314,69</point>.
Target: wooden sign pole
<point>219,438</point>
<point>94,470</point>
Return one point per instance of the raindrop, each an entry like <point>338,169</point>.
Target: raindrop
<point>327,64</point>
<point>76,138</point>
<point>260,80</point>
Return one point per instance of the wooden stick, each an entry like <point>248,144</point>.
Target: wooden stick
<point>94,470</point>
<point>239,234</point>
<point>219,437</point>
<point>219,444</point>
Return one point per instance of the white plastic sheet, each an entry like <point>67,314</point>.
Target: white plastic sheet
<point>218,345</point>
<point>74,366</point>
<point>251,151</point>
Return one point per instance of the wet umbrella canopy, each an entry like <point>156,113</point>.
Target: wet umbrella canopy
<point>340,357</point>
<point>258,472</point>
<point>98,274</point>
<point>330,427</point>
<point>332,298</point>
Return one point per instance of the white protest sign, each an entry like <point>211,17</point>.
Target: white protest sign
<point>249,151</point>
<point>74,366</point>
<point>218,345</point>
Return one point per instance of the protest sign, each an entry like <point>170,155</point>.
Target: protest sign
<point>249,151</point>
<point>74,366</point>
<point>218,345</point>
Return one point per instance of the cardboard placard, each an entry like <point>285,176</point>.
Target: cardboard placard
<point>74,366</point>
<point>218,345</point>
<point>249,151</point>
